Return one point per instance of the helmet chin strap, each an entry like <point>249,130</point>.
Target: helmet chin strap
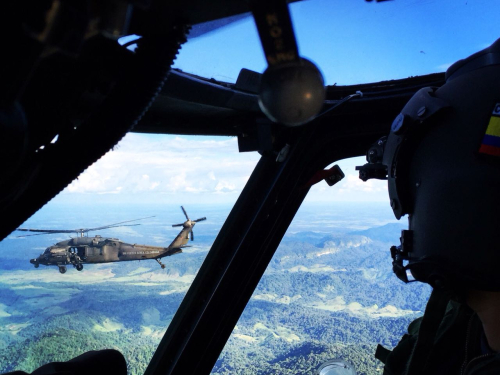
<point>400,254</point>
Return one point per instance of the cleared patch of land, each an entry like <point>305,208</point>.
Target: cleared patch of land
<point>3,312</point>
<point>108,325</point>
<point>357,309</point>
<point>261,332</point>
<point>316,268</point>
<point>277,299</point>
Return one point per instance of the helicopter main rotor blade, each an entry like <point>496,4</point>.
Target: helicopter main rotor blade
<point>185,213</point>
<point>117,224</point>
<point>40,234</point>
<point>46,231</point>
<point>107,227</point>
<point>80,230</point>
<point>178,225</point>
<point>200,219</point>
<point>192,236</point>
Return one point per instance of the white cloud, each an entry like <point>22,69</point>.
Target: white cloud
<point>351,188</point>
<point>352,183</point>
<point>225,187</point>
<point>163,167</point>
<point>163,164</point>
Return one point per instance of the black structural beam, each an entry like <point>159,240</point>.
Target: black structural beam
<point>194,105</point>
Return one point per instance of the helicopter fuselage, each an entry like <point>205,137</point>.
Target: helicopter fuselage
<point>81,250</point>
<point>87,250</point>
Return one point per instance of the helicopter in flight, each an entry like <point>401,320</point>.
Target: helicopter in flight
<point>87,250</point>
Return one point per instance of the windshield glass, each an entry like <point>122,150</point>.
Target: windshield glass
<point>329,291</point>
<point>355,41</point>
<point>126,304</point>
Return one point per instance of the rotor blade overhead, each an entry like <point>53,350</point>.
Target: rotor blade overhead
<point>192,236</point>
<point>185,213</point>
<point>178,225</point>
<point>200,219</point>
<point>271,16</point>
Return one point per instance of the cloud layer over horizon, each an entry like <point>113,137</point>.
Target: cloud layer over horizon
<point>167,168</point>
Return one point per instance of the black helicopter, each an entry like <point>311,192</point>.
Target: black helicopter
<point>81,250</point>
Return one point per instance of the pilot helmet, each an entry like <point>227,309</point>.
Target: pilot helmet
<point>442,163</point>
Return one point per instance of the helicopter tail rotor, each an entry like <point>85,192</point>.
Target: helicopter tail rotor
<point>185,213</point>
<point>187,218</point>
<point>189,222</point>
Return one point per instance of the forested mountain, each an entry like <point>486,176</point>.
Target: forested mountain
<point>325,295</point>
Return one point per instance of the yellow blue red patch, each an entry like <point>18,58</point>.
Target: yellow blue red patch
<point>491,140</point>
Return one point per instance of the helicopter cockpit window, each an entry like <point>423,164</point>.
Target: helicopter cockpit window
<point>353,42</point>
<point>329,291</point>
<point>119,298</point>
<point>309,307</point>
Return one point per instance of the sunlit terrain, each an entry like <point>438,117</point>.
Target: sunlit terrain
<point>329,289</point>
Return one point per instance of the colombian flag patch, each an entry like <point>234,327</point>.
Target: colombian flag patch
<point>491,141</point>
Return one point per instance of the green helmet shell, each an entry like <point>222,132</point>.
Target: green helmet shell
<point>443,163</point>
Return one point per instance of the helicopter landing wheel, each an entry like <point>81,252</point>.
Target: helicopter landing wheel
<point>79,267</point>
<point>62,269</point>
<point>37,265</point>
<point>161,264</point>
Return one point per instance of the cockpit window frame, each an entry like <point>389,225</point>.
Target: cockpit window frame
<point>260,218</point>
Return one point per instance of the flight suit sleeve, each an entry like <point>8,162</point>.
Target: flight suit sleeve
<point>396,361</point>
<point>100,362</point>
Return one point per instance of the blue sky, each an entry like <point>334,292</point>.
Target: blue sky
<point>352,41</point>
